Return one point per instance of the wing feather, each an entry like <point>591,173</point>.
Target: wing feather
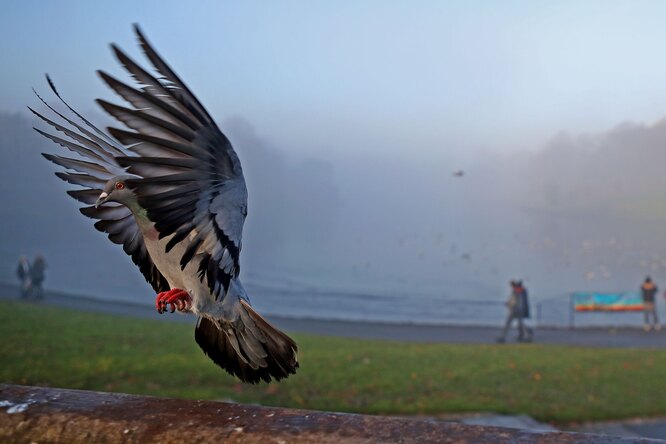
<point>191,181</point>
<point>174,84</point>
<point>85,180</point>
<point>82,166</point>
<point>91,172</point>
<point>101,137</point>
<point>146,102</point>
<point>78,149</point>
<point>151,85</point>
<point>147,123</point>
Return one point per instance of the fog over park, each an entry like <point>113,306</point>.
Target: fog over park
<point>349,141</point>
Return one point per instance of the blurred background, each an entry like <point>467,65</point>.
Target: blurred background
<point>350,120</point>
<point>404,162</point>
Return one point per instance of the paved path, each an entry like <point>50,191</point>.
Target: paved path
<point>584,336</point>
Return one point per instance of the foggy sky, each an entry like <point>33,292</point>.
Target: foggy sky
<point>387,78</point>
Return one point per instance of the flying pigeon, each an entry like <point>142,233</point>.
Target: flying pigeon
<point>170,189</point>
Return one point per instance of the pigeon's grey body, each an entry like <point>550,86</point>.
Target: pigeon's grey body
<point>169,265</point>
<point>177,205</point>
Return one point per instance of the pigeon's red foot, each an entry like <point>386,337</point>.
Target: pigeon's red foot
<point>177,298</point>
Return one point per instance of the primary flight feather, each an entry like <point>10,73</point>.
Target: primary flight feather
<point>170,189</point>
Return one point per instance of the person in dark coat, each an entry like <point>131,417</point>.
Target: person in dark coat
<point>23,274</point>
<point>37,276</point>
<point>519,310</point>
<point>648,292</point>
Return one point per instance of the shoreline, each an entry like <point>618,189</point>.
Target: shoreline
<point>396,331</point>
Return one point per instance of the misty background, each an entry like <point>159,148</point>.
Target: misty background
<point>349,121</point>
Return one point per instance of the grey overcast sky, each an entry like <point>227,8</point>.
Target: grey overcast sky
<point>365,76</point>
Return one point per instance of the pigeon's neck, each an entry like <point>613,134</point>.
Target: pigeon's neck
<point>140,213</point>
<point>146,226</point>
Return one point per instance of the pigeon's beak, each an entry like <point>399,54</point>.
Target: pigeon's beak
<point>101,199</point>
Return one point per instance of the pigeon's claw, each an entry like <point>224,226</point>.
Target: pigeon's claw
<point>176,298</point>
<point>180,300</point>
<point>160,301</point>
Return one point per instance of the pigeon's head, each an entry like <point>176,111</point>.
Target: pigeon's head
<point>117,190</point>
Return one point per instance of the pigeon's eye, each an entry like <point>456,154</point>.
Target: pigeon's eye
<point>120,185</point>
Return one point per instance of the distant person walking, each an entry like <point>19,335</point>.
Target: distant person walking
<point>648,292</point>
<point>518,306</point>
<point>37,276</point>
<point>23,274</point>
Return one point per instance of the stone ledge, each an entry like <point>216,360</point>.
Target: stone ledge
<point>39,414</point>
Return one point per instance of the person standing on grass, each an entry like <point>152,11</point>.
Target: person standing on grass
<point>23,274</point>
<point>648,292</point>
<point>518,310</point>
<point>37,276</point>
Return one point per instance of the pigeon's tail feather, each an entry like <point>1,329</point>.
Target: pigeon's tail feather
<point>251,349</point>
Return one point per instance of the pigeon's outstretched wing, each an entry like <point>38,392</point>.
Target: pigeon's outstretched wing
<point>94,167</point>
<point>188,180</point>
<point>191,182</point>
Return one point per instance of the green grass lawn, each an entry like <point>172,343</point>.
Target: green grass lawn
<point>61,348</point>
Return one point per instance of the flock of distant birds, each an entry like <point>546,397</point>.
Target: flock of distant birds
<point>596,272</point>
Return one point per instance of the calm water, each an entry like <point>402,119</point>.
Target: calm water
<point>298,296</point>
